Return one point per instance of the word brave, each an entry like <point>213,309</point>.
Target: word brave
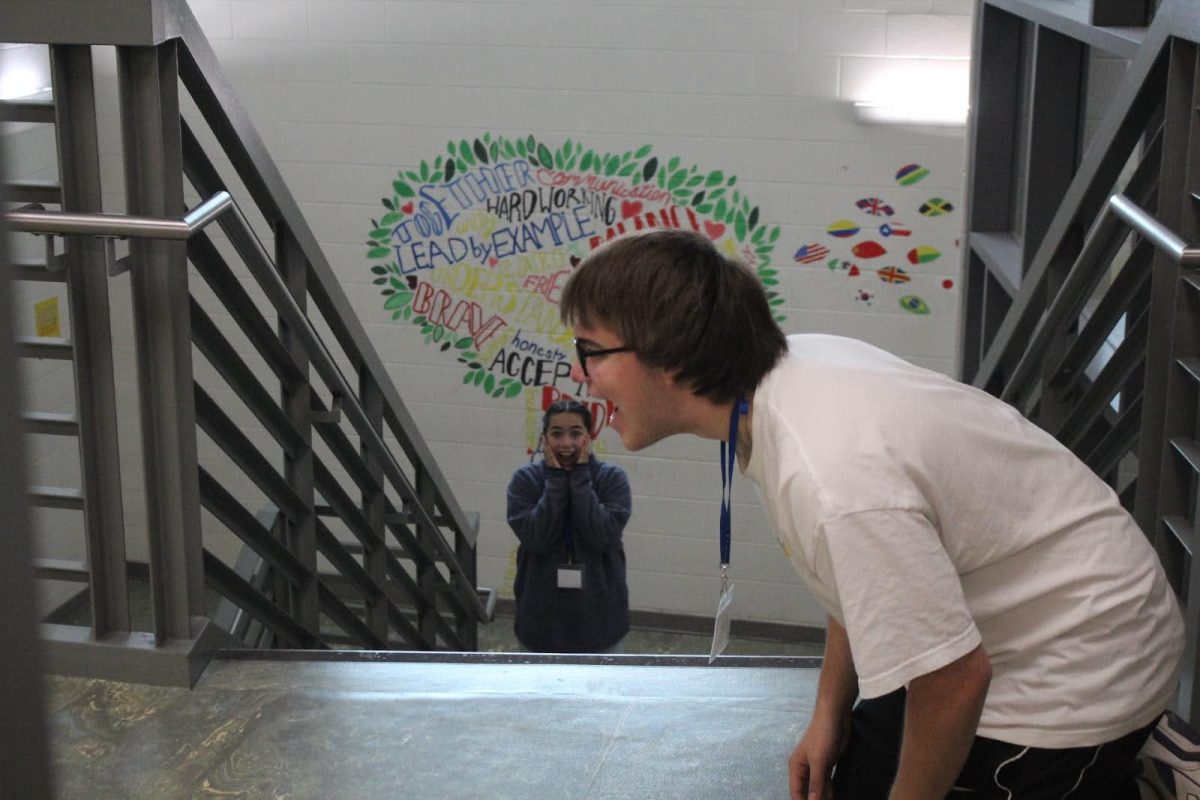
<point>435,304</point>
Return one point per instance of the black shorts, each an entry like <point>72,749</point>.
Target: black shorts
<point>994,770</point>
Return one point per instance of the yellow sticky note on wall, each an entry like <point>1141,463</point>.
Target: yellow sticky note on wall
<point>45,318</point>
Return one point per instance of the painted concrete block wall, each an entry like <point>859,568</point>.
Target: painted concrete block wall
<point>346,94</point>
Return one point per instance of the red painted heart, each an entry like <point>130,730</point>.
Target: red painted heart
<point>713,229</point>
<point>630,208</point>
<point>492,262</point>
<point>407,207</point>
<point>574,261</point>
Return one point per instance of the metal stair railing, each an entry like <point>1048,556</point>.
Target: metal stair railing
<point>1099,339</point>
<point>213,420</point>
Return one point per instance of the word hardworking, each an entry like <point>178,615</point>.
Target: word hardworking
<point>440,309</point>
<point>523,205</point>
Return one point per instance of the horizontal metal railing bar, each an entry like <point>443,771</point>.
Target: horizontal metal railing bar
<point>1189,450</point>
<point>45,347</point>
<point>1181,529</point>
<point>1112,378</point>
<point>55,497</point>
<point>346,453</point>
<point>238,375</point>
<point>225,285</point>
<point>123,226</point>
<point>1192,281</point>
<point>1191,365</point>
<point>31,192</point>
<point>50,423</point>
<point>61,569</point>
<point>1162,237</point>
<point>234,443</point>
<point>347,620</point>
<point>1119,440</point>
<point>1001,254</point>
<point>242,235</point>
<point>27,111</point>
<point>1073,20</point>
<point>242,594</point>
<point>234,516</point>
<point>1134,275</point>
<point>35,270</point>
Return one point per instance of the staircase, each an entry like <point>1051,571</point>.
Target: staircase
<point>1083,300</point>
<point>260,397</point>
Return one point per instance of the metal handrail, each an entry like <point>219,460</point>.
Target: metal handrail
<point>113,225</point>
<point>1162,237</point>
<point>120,226</point>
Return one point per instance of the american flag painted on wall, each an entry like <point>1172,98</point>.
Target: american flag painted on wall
<point>810,253</point>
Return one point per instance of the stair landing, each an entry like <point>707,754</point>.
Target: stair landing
<point>431,729</point>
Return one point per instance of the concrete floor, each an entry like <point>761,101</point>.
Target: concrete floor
<point>349,728</point>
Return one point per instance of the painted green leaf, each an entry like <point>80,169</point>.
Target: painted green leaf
<point>774,234</point>
<point>445,346</point>
<point>628,169</point>
<point>480,152</point>
<point>398,300</point>
<point>676,180</point>
<point>438,333</point>
<point>465,154</point>
<point>396,283</point>
<point>379,281</point>
<point>714,178</point>
<point>424,171</point>
<point>739,226</point>
<point>694,181</point>
<point>475,365</point>
<point>463,343</point>
<point>643,151</point>
<point>379,252</point>
<point>379,270</point>
<point>403,189</point>
<point>778,301</point>
<point>521,149</point>
<point>768,273</point>
<point>449,169</point>
<point>697,199</point>
<point>611,164</point>
<point>397,314</point>
<point>758,235</point>
<point>673,164</point>
<point>567,145</point>
<point>494,150</point>
<point>513,389</point>
<point>413,176</point>
<point>419,320</point>
<point>753,220</point>
<point>489,383</point>
<point>732,180</point>
<point>586,161</point>
<point>531,143</point>
<point>408,312</point>
<point>721,208</point>
<point>391,217</point>
<point>387,203</point>
<point>467,378</point>
<point>649,168</point>
<point>381,233</point>
<point>705,209</point>
<point>544,155</point>
<point>770,281</point>
<point>388,292</point>
<point>558,160</point>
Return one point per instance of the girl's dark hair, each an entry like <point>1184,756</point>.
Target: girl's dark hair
<point>567,407</point>
<point>681,305</point>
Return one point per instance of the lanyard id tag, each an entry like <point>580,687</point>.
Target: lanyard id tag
<point>570,576</point>
<point>724,616</point>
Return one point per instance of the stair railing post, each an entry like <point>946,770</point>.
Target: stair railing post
<point>374,507</point>
<point>91,334</point>
<point>148,80</point>
<point>427,573</point>
<point>299,535</point>
<point>466,626</point>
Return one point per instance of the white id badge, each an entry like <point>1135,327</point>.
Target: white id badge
<point>721,624</point>
<point>570,576</point>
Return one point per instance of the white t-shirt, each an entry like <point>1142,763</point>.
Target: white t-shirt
<point>928,517</point>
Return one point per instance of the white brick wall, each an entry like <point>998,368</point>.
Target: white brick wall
<point>346,93</point>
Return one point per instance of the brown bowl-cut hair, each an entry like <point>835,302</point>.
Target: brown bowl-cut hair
<point>682,306</point>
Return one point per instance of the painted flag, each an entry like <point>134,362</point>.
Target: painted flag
<point>875,207</point>
<point>868,250</point>
<point>894,229</point>
<point>914,305</point>
<point>923,254</point>
<point>935,207</point>
<point>910,174</point>
<point>811,252</point>
<point>842,229</point>
<point>893,275</point>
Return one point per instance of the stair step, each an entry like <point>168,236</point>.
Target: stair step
<point>27,111</point>
<point>50,423</point>
<point>26,269</point>
<point>44,347</point>
<point>1181,529</point>
<point>60,569</point>
<point>56,497</point>
<point>33,192</point>
<point>1189,450</point>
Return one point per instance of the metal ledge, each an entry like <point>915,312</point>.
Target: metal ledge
<point>1074,21</point>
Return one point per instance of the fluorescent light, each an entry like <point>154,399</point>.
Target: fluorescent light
<point>875,113</point>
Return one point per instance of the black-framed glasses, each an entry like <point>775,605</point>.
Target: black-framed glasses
<point>583,354</point>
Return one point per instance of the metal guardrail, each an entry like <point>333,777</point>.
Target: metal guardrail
<point>1187,255</point>
<point>58,223</point>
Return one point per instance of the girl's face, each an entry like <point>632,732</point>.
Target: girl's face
<point>566,436</point>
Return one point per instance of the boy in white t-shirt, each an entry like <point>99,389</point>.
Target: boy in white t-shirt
<point>1004,625</point>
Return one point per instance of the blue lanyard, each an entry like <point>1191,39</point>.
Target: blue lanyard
<point>728,454</point>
